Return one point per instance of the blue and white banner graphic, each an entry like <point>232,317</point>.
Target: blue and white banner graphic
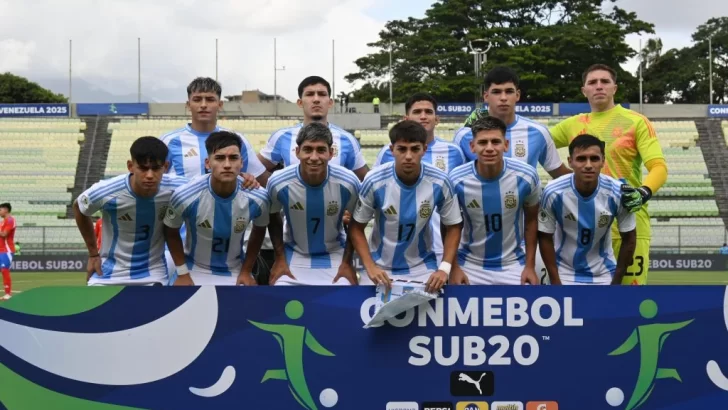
<point>34,110</point>
<point>568,109</point>
<point>455,108</point>
<point>112,109</point>
<point>718,110</point>
<point>600,347</point>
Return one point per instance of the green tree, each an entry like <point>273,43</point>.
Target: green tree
<point>15,90</point>
<point>548,42</point>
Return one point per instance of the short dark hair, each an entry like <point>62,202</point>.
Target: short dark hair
<point>222,139</point>
<point>148,149</point>
<point>313,80</point>
<point>585,141</point>
<point>204,85</point>
<point>501,75</point>
<point>315,131</point>
<point>597,67</point>
<point>408,131</point>
<point>488,123</point>
<point>7,206</point>
<point>417,97</point>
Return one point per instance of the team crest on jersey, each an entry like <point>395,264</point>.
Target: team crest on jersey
<point>170,212</point>
<point>333,208</point>
<point>334,150</point>
<point>440,163</point>
<point>84,199</point>
<point>164,210</point>
<point>603,220</point>
<point>543,216</point>
<point>239,225</point>
<point>510,200</point>
<point>520,149</point>
<point>425,210</point>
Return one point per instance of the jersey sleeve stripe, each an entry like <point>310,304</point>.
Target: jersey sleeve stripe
<point>105,190</point>
<point>350,178</point>
<point>170,135</point>
<point>555,187</point>
<point>281,176</point>
<point>182,195</point>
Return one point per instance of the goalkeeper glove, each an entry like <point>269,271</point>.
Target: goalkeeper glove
<point>477,114</point>
<point>634,198</point>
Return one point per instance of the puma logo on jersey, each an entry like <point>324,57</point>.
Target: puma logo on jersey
<point>126,217</point>
<point>474,204</point>
<point>570,217</point>
<point>205,224</point>
<point>191,153</point>
<point>297,206</point>
<point>390,210</point>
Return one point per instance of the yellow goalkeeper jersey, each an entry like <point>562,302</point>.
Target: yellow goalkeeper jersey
<point>630,142</point>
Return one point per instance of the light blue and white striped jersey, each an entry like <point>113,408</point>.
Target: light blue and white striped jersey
<point>493,227</point>
<point>401,241</point>
<point>281,148</point>
<point>187,153</point>
<point>442,154</point>
<point>313,232</point>
<point>583,228</point>
<point>216,226</point>
<point>530,142</point>
<point>132,235</point>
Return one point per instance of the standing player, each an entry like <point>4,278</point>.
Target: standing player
<point>630,141</point>
<point>442,154</point>
<point>313,195</point>
<point>314,98</point>
<point>499,197</point>
<point>401,197</point>
<point>7,247</point>
<point>582,207</point>
<point>133,207</point>
<point>529,141</point>
<point>217,211</point>
<point>187,152</point>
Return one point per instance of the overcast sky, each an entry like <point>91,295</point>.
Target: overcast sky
<point>178,39</point>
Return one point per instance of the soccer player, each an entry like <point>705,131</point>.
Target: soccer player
<point>630,141</point>
<point>442,154</point>
<point>313,195</point>
<point>528,140</point>
<point>582,207</point>
<point>314,98</point>
<point>499,198</point>
<point>133,207</point>
<point>7,247</point>
<point>187,152</point>
<point>401,197</point>
<point>217,212</point>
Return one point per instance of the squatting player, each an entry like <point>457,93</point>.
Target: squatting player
<point>7,247</point>
<point>582,207</point>
<point>313,195</point>
<point>133,207</point>
<point>401,197</point>
<point>630,141</point>
<point>442,154</point>
<point>499,199</point>
<point>217,211</point>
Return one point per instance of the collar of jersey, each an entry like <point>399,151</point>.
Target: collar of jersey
<point>323,184</point>
<point>137,197</point>
<point>606,113</point>
<point>218,197</point>
<point>402,184</point>
<point>581,197</point>
<point>514,123</point>
<point>480,177</point>
<point>198,133</point>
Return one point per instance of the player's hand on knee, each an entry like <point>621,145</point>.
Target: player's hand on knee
<point>528,276</point>
<point>93,266</point>
<point>184,280</point>
<point>378,277</point>
<point>246,279</point>
<point>436,282</point>
<point>348,272</point>
<point>457,276</point>
<point>280,268</point>
<point>249,181</point>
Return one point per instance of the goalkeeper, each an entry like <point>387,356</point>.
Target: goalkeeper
<point>630,142</point>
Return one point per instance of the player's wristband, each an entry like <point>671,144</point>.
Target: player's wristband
<point>446,267</point>
<point>182,270</point>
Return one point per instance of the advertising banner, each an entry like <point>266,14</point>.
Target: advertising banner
<point>112,109</point>
<point>474,347</point>
<point>526,109</point>
<point>718,111</point>
<point>455,108</point>
<point>692,262</point>
<point>49,263</point>
<point>34,110</point>
<point>568,109</point>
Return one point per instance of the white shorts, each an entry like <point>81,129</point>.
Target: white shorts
<point>543,275</point>
<point>312,277</point>
<point>604,279</point>
<point>510,275</point>
<point>419,277</point>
